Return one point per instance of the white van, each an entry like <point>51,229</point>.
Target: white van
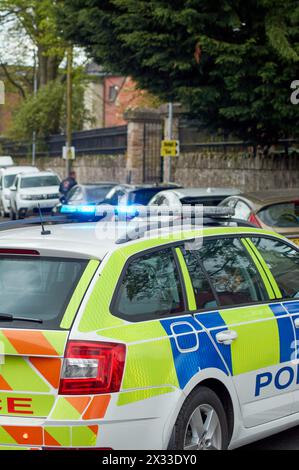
<point>7,177</point>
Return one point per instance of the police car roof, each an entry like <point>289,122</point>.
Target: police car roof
<point>85,240</point>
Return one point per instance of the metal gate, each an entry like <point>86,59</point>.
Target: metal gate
<point>152,161</point>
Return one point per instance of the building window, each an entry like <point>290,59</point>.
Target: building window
<point>113,92</point>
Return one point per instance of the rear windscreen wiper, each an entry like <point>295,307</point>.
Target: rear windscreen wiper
<point>11,318</point>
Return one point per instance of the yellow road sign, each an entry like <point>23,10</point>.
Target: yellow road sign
<point>68,153</point>
<point>170,148</point>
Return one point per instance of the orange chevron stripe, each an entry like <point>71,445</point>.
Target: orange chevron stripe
<point>79,403</point>
<point>30,343</point>
<point>49,368</point>
<point>94,429</point>
<point>50,441</point>
<point>25,434</point>
<point>98,407</point>
<point>3,384</point>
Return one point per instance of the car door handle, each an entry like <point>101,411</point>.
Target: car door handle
<point>226,337</point>
<point>296,322</point>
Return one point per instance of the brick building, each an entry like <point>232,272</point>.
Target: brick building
<point>109,96</point>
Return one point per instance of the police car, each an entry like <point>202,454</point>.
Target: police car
<point>186,341</point>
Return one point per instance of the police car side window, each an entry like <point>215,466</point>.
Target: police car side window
<point>203,291</point>
<point>232,273</point>
<point>283,262</point>
<point>150,288</point>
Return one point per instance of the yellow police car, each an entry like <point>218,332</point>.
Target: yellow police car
<point>182,342</point>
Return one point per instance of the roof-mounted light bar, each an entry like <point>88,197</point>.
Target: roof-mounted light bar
<point>175,211</point>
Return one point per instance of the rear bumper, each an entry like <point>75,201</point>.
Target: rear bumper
<point>128,425</point>
<point>130,435</point>
<point>32,437</point>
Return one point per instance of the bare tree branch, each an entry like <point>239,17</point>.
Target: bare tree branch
<point>12,81</point>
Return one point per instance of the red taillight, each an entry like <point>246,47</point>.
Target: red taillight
<point>253,219</point>
<point>92,368</point>
<point>12,251</point>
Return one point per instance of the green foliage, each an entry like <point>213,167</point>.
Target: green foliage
<point>46,112</point>
<point>35,21</point>
<point>247,55</point>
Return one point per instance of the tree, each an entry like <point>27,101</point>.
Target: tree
<point>35,21</point>
<point>32,29</point>
<point>45,113</point>
<point>230,62</point>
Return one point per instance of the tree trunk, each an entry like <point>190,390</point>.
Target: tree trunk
<point>48,67</point>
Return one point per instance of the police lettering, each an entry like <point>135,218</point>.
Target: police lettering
<point>281,380</point>
<point>16,405</point>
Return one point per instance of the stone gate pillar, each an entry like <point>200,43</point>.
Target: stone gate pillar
<point>143,140</point>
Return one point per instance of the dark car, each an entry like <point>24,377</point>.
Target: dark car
<point>84,195</point>
<point>130,195</point>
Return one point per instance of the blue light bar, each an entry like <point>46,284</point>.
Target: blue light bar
<point>129,210</point>
<point>65,209</point>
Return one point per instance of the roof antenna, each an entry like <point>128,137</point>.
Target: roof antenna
<point>43,232</point>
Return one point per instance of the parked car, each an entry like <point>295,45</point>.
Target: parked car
<point>32,190</point>
<point>147,344</point>
<point>84,195</point>
<point>273,210</point>
<point>192,196</point>
<point>7,178</point>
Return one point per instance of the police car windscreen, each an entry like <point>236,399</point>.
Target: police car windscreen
<point>37,288</point>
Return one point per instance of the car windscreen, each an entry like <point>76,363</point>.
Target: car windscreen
<point>9,180</point>
<point>37,288</point>
<point>39,181</point>
<point>97,194</point>
<point>284,215</point>
<point>204,201</point>
<point>143,196</point>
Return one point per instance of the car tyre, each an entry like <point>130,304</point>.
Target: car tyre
<point>202,423</point>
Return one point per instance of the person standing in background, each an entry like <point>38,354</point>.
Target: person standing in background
<point>68,183</point>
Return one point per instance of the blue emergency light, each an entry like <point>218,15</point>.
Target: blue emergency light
<point>84,209</point>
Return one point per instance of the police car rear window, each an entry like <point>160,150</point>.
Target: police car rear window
<point>150,288</point>
<point>36,291</point>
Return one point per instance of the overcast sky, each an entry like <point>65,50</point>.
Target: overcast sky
<point>18,49</point>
